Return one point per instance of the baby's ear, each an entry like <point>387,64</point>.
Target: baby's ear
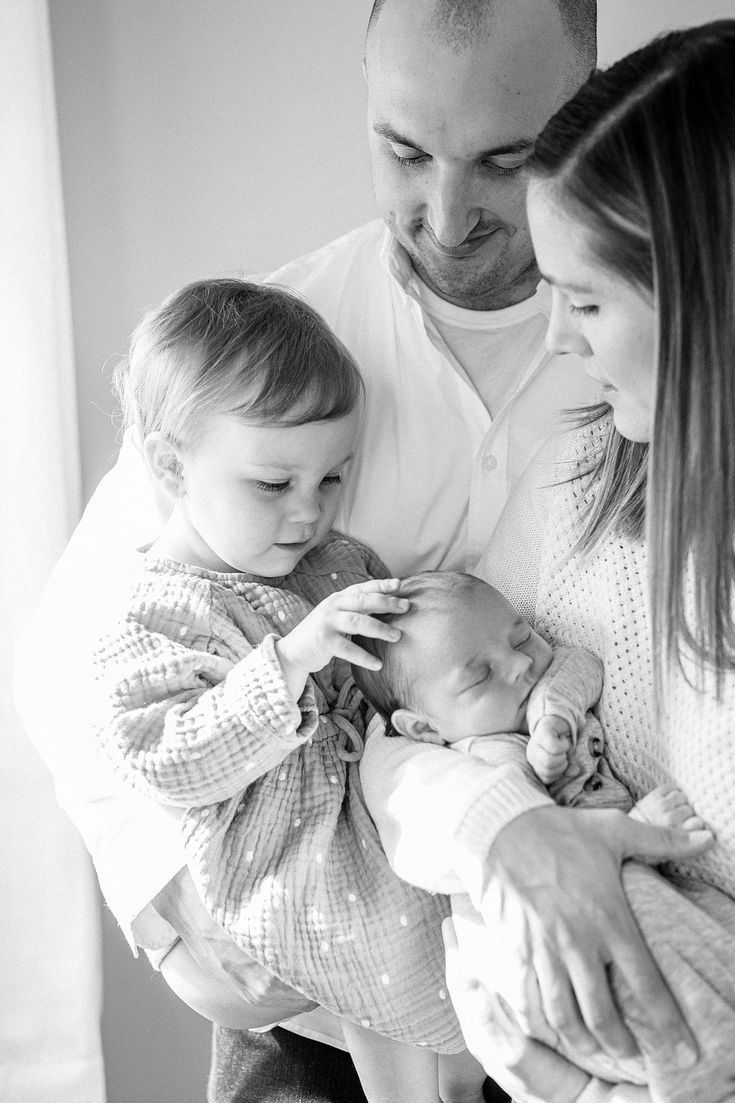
<point>415,726</point>
<point>164,463</point>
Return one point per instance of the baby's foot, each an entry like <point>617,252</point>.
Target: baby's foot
<point>667,807</point>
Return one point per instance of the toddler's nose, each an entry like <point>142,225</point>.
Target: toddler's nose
<point>306,509</point>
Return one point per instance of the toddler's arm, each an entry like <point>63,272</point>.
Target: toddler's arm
<point>190,727</point>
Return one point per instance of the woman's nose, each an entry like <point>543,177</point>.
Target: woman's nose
<point>563,334</point>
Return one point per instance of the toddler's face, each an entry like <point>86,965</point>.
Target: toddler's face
<point>473,668</point>
<point>258,497</point>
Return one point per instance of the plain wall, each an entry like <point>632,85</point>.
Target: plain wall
<point>200,139</point>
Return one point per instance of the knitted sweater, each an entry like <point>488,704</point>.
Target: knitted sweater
<point>193,709</point>
<point>438,814</point>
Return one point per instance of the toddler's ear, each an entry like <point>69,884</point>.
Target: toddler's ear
<point>164,463</point>
<point>415,726</point>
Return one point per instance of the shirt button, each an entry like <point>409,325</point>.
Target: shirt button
<point>489,462</point>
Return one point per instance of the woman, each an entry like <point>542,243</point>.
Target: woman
<point>630,554</point>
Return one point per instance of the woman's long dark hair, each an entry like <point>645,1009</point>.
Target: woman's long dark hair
<point>643,157</point>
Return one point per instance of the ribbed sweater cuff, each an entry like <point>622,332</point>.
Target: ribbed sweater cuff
<point>511,795</point>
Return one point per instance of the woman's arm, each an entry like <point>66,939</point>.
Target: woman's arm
<point>552,881</point>
<point>548,877</point>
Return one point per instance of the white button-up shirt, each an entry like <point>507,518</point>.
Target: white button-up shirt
<point>431,474</point>
<point>433,470</point>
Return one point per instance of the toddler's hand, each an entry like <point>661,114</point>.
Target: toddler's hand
<point>548,748</point>
<point>325,633</point>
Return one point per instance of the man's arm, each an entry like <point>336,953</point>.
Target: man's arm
<point>219,980</point>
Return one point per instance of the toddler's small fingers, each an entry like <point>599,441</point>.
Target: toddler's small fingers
<point>358,656</point>
<point>362,624</point>
<point>375,586</point>
<point>694,823</point>
<point>372,603</point>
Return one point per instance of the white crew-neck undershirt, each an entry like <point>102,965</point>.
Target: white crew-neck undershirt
<point>493,347</point>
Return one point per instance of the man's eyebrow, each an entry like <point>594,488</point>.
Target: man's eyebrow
<point>385,130</point>
<point>520,145</point>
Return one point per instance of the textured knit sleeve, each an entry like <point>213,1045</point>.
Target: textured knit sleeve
<point>185,725</point>
<point>438,812</point>
<point>568,689</point>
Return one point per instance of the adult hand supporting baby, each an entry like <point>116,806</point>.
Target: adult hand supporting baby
<point>520,1065</point>
<point>552,886</point>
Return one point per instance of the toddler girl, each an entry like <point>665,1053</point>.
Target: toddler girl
<point>223,682</point>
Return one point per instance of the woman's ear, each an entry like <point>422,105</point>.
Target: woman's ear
<point>415,726</point>
<point>163,460</point>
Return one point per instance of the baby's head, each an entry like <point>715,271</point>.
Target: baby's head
<point>246,408</point>
<point>464,665</point>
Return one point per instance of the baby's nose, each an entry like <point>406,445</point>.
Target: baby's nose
<point>520,665</point>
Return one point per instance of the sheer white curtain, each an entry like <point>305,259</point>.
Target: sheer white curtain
<point>50,959</point>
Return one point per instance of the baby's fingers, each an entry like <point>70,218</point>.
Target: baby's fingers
<point>547,765</point>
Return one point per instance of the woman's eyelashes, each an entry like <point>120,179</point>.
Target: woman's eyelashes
<point>583,311</point>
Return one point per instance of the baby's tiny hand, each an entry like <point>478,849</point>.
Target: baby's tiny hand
<point>325,633</point>
<point>548,748</point>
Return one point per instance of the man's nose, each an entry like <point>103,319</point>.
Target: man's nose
<point>451,213</point>
<point>564,334</point>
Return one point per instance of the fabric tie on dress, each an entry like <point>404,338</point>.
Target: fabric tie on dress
<point>344,713</point>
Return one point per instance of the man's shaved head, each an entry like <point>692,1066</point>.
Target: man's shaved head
<point>458,91</point>
<point>459,23</point>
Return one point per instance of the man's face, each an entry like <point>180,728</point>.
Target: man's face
<point>449,132</point>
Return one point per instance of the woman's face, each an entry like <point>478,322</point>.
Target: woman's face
<point>597,315</point>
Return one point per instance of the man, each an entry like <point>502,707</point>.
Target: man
<point>440,306</point>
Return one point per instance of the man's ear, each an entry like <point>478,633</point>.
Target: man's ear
<point>163,460</point>
<point>415,726</point>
